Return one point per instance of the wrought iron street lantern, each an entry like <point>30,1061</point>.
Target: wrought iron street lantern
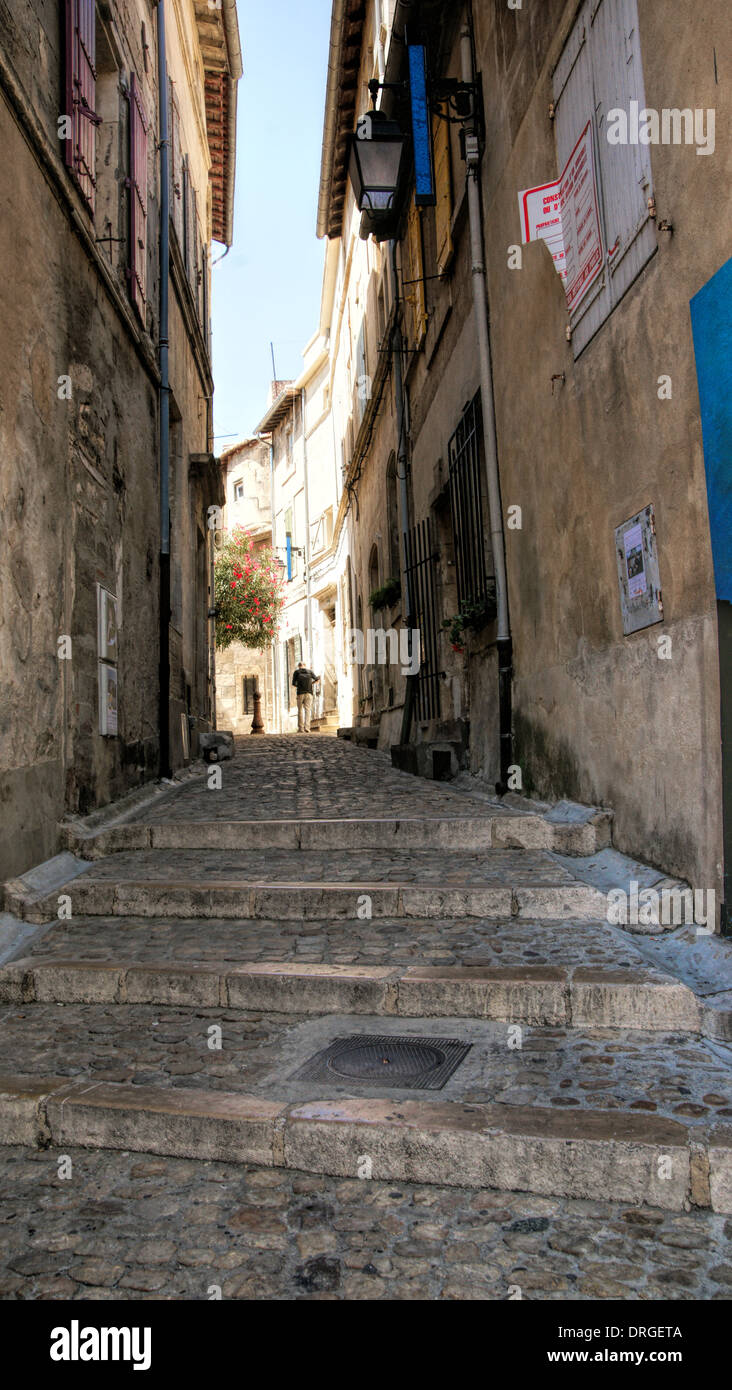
<point>376,162</point>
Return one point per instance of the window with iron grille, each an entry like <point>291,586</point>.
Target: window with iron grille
<point>474,583</point>
<point>421,556</point>
<point>80,94</point>
<point>138,199</point>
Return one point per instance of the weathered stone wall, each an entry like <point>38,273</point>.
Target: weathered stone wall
<point>598,715</point>
<point>79,440</point>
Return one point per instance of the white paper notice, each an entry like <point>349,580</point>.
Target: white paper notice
<point>565,214</point>
<point>633,542</point>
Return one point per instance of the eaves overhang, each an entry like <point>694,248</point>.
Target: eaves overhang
<point>279,409</point>
<point>344,62</point>
<point>218,36</point>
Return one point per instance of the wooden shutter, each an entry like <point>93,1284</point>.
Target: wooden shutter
<point>138,199</point>
<point>600,68</point>
<point>415,294</point>
<point>80,94</point>
<point>625,170</point>
<point>193,269</point>
<point>574,102</point>
<point>176,167</point>
<point>443,190</point>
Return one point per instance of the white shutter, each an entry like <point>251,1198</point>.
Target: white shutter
<point>600,68</point>
<point>574,103</point>
<point>625,170</point>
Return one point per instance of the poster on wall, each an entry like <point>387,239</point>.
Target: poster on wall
<point>108,700</point>
<point>107,625</point>
<point>565,213</point>
<point>636,553</point>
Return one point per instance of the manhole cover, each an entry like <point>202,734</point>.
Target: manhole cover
<point>413,1064</point>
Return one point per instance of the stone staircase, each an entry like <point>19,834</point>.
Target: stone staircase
<point>588,1071</point>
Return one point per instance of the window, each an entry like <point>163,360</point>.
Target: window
<point>600,68</point>
<point>249,686</point>
<point>80,95</point>
<point>443,191</point>
<point>293,655</point>
<point>176,166</point>
<point>290,535</point>
<point>392,512</point>
<point>238,491</point>
<point>138,199</point>
<point>373,571</point>
<point>110,159</point>
<point>467,507</point>
<point>414,289</point>
<point>321,531</point>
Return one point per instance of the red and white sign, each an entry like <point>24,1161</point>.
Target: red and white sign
<point>566,215</point>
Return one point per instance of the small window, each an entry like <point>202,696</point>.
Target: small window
<point>238,491</point>
<point>249,690</point>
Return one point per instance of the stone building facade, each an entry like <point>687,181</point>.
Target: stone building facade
<point>588,401</point>
<point>245,471</point>
<point>308,502</point>
<point>80,640</point>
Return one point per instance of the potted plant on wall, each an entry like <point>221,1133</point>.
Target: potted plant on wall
<point>472,615</point>
<point>386,596</point>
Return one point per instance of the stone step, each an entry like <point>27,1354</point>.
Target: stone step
<point>297,900</point>
<point>502,829</point>
<point>537,995</point>
<point>638,1158</point>
<point>351,885</point>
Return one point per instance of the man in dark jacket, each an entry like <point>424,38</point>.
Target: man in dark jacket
<point>303,681</point>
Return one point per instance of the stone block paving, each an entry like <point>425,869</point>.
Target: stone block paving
<point>379,941</point>
<point>303,777</point>
<point>489,868</point>
<point>671,1074</point>
<point>128,1226</point>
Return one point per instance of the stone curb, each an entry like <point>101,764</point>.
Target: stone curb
<point>506,830</point>
<point>542,996</point>
<point>635,1158</point>
<point>233,899</point>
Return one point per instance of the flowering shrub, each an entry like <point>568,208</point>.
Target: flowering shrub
<point>248,593</point>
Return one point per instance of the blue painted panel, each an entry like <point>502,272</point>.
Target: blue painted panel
<point>424,193</point>
<point>711,321</point>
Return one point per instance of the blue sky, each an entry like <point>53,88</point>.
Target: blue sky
<point>268,287</point>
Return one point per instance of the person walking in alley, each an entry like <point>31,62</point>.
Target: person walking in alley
<point>304,680</point>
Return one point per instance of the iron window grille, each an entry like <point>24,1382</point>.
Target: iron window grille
<point>474,584</point>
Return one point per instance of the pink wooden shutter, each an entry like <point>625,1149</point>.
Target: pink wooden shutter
<point>138,199</point>
<point>80,93</point>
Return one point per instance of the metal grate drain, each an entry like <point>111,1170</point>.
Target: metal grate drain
<point>376,1059</point>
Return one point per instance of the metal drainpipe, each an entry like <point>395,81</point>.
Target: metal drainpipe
<point>276,712</point>
<point>480,301</point>
<point>403,491</point>
<point>164,671</point>
<point>308,600</point>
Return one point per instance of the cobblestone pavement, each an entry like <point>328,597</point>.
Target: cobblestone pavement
<point>669,1073</point>
<point>125,1226</point>
<point>380,941</point>
<point>490,867</point>
<point>306,777</point>
<point>140,1226</point>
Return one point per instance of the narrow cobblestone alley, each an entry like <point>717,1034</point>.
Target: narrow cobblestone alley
<point>220,936</point>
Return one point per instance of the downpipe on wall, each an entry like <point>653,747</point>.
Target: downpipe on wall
<point>396,349</point>
<point>164,404</point>
<point>480,301</point>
